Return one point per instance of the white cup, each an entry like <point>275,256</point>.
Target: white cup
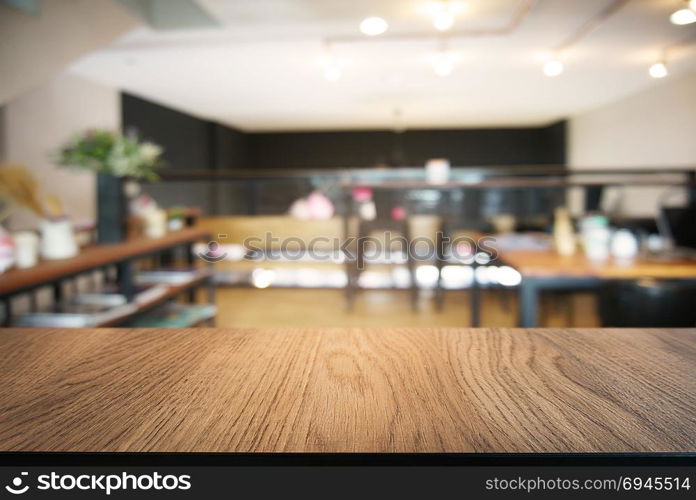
<point>26,249</point>
<point>155,223</point>
<point>437,171</point>
<point>57,239</point>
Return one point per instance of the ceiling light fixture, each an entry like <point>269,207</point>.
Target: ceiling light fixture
<point>333,66</point>
<point>658,70</point>
<point>683,16</point>
<point>443,20</point>
<point>443,65</point>
<point>443,61</point>
<point>553,67</point>
<point>373,26</point>
<point>332,73</point>
<point>687,15</point>
<point>443,13</point>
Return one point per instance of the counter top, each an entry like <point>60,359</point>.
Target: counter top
<point>548,263</point>
<point>348,390</point>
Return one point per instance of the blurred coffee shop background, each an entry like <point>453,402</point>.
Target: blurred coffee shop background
<point>192,162</point>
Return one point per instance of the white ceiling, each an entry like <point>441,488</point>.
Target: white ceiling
<point>261,69</point>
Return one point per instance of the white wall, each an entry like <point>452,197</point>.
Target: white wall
<point>40,121</point>
<point>33,48</point>
<point>655,128</point>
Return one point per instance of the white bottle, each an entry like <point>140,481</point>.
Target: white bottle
<point>624,245</point>
<point>596,237</point>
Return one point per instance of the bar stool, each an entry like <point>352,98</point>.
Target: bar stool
<point>355,267</point>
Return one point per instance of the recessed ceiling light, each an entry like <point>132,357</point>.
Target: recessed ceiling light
<point>554,67</point>
<point>443,20</point>
<point>658,70</point>
<point>683,16</point>
<point>373,26</point>
<point>443,64</point>
<point>333,73</point>
<point>332,64</point>
<point>443,12</point>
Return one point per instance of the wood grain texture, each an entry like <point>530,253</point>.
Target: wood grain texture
<point>549,263</point>
<point>348,390</point>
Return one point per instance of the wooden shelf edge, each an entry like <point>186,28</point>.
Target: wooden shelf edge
<point>47,272</point>
<point>174,290</point>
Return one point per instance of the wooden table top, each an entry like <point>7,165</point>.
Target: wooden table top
<point>547,263</point>
<point>94,256</point>
<point>348,390</point>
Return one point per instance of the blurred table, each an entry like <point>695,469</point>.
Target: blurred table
<point>546,270</point>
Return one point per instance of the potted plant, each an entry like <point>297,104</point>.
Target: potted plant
<point>114,157</point>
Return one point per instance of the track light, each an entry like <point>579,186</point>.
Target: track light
<point>553,67</point>
<point>443,60</point>
<point>443,20</point>
<point>443,65</point>
<point>332,73</point>
<point>373,26</point>
<point>683,16</point>
<point>333,66</point>
<point>658,70</point>
<point>443,13</point>
<point>687,15</point>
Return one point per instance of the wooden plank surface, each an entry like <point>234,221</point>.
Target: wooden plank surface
<point>348,390</point>
<point>549,264</point>
<point>94,256</point>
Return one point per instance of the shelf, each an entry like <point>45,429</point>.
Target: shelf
<point>93,257</point>
<point>172,292</point>
<point>175,315</point>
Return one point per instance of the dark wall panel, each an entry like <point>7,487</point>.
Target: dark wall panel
<point>463,147</point>
<point>191,143</point>
<point>186,139</point>
<point>468,147</point>
<point>229,147</point>
<point>319,149</point>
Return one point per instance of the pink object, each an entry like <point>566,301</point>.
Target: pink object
<point>300,209</point>
<point>316,206</point>
<point>141,205</point>
<point>398,213</point>
<point>362,194</point>
<point>6,251</point>
<point>464,250</point>
<point>320,207</point>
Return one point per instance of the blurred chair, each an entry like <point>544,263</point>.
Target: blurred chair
<point>648,303</point>
<point>368,228</point>
<point>457,244</point>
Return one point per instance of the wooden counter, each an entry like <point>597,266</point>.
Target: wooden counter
<point>348,390</point>
<point>551,264</point>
